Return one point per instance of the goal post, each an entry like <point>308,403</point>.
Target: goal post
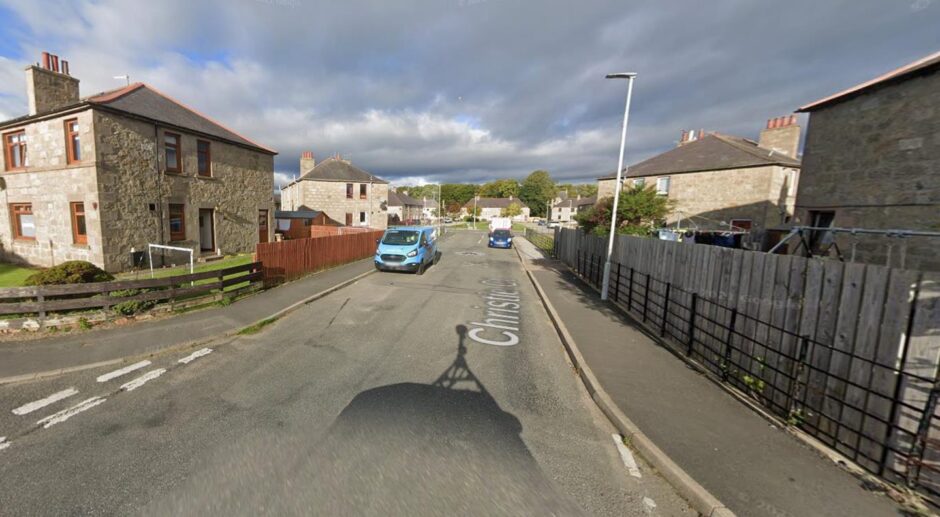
<point>151,247</point>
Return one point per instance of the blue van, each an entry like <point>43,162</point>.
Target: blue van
<point>406,248</point>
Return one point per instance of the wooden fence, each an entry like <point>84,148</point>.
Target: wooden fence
<point>44,300</point>
<point>287,260</point>
<point>847,352</point>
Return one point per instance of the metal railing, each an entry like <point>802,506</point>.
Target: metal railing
<point>545,241</point>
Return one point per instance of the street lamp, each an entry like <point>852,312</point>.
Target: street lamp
<point>629,76</point>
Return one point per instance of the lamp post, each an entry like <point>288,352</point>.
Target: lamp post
<point>629,76</point>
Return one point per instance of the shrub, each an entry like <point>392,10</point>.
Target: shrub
<point>131,307</point>
<point>71,272</point>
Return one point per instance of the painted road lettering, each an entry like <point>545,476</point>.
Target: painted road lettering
<point>500,325</point>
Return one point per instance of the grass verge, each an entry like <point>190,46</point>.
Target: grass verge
<point>254,329</point>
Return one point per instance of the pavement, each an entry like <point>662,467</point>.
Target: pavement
<point>750,464</point>
<point>396,395</point>
<point>80,348</point>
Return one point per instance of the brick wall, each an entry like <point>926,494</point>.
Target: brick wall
<point>874,160</point>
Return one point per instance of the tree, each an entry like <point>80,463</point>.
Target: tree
<point>512,210</point>
<point>640,210</point>
<point>500,188</point>
<point>536,191</point>
<point>582,189</point>
<point>453,207</point>
<point>458,193</point>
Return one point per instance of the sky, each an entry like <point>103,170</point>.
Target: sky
<point>470,90</point>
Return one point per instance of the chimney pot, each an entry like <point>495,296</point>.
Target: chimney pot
<point>792,119</point>
<point>65,67</point>
<point>46,62</point>
<point>55,63</point>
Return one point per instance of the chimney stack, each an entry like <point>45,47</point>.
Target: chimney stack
<point>48,88</point>
<point>689,136</point>
<point>307,162</point>
<point>781,135</point>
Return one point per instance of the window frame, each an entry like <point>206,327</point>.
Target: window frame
<point>736,224</point>
<point>363,218</point>
<point>181,234</point>
<point>661,191</point>
<point>363,191</point>
<point>17,229</point>
<point>208,172</point>
<point>70,157</point>
<point>78,238</point>
<point>8,151</point>
<point>178,146</point>
<point>349,191</point>
<point>639,182</point>
<point>349,219</point>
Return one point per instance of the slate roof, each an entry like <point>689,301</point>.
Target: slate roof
<point>711,153</point>
<point>495,202</point>
<point>145,101</point>
<point>399,199</point>
<point>573,202</point>
<point>335,169</point>
<point>922,65</point>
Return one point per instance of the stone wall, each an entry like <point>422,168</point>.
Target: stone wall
<point>136,191</point>
<point>47,90</point>
<point>874,160</point>
<point>50,184</point>
<point>330,197</point>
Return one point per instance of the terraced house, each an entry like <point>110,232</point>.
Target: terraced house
<point>95,178</point>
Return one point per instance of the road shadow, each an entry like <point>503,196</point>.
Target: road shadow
<point>444,448</point>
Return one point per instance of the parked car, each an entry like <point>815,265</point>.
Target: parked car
<point>448,220</point>
<point>500,239</point>
<point>406,248</point>
<point>554,224</point>
<point>541,222</point>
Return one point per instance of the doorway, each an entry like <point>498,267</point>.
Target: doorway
<point>206,229</point>
<point>262,226</point>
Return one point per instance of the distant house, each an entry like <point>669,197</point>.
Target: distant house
<point>402,207</point>
<point>491,207</point>
<point>300,224</point>
<point>343,191</point>
<point>720,182</point>
<point>564,210</point>
<point>872,160</point>
<point>96,178</point>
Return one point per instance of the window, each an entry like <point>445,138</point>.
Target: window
<point>349,191</point>
<point>79,229</point>
<point>177,223</point>
<point>171,150</point>
<point>73,144</point>
<point>639,182</point>
<point>742,224</point>
<point>24,225</point>
<point>363,191</point>
<point>362,218</point>
<point>15,150</point>
<point>821,240</point>
<point>662,186</point>
<point>348,219</point>
<point>204,158</point>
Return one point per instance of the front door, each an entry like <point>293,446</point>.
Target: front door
<point>262,226</point>
<point>206,229</point>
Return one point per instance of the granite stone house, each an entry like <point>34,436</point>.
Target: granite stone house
<point>95,178</point>
<point>564,210</point>
<point>491,207</point>
<point>719,182</point>
<point>342,191</point>
<point>402,207</point>
<point>872,161</point>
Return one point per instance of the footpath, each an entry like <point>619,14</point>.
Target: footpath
<point>23,360</point>
<point>748,463</point>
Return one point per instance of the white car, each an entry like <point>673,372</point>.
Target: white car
<point>554,224</point>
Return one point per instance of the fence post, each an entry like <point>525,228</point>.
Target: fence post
<point>727,361</point>
<point>617,285</point>
<point>692,323</point>
<point>662,327</point>
<point>42,306</point>
<point>646,296</point>
<point>798,369</point>
<point>630,292</point>
<point>916,455</point>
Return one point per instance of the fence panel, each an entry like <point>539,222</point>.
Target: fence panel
<point>287,260</point>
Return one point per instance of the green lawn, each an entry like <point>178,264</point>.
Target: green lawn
<point>12,275</point>
<point>234,260</point>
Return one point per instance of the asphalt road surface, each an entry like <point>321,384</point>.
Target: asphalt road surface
<point>398,395</point>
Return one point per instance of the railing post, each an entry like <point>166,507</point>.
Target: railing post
<point>692,323</point>
<point>617,284</point>
<point>916,455</point>
<point>727,360</point>
<point>630,292</point>
<point>798,369</point>
<point>646,296</point>
<point>662,327</point>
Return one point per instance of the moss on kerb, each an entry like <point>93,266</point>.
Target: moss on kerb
<point>255,328</point>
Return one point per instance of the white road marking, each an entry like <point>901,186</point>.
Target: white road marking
<point>195,355</point>
<point>143,379</point>
<point>4,443</point>
<point>55,397</point>
<point>65,414</point>
<point>627,457</point>
<point>123,371</point>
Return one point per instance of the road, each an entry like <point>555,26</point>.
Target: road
<point>397,395</point>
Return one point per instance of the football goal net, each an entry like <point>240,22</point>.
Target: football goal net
<point>168,256</point>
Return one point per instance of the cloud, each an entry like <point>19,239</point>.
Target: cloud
<point>471,90</point>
